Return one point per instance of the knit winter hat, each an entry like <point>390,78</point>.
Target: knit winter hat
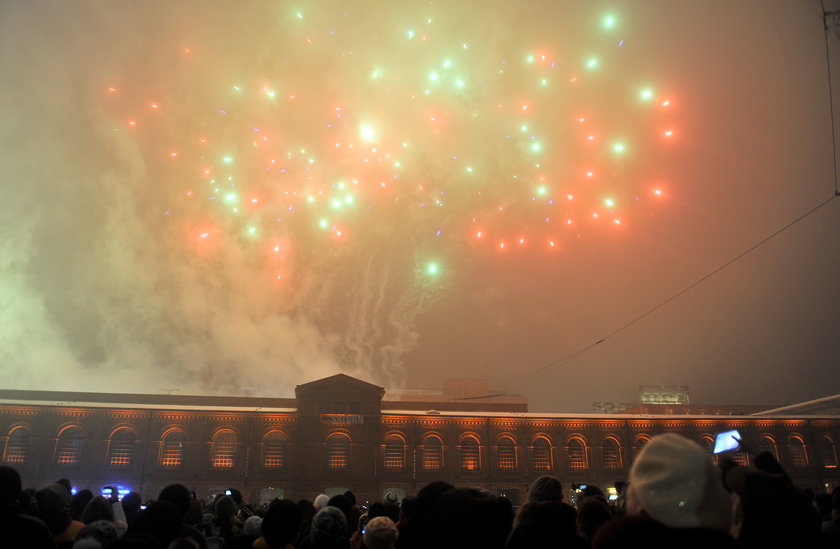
<point>329,527</point>
<point>99,531</point>
<point>253,526</point>
<point>380,533</point>
<point>677,484</point>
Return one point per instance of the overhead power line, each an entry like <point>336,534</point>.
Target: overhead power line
<point>568,358</point>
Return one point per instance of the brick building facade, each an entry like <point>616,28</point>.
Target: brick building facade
<point>339,433</point>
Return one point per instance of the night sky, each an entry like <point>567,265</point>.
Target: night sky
<point>202,198</point>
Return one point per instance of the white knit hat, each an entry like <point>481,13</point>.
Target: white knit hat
<point>677,484</point>
<point>253,526</point>
<point>321,501</point>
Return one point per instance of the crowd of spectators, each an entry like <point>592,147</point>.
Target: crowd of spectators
<point>676,496</point>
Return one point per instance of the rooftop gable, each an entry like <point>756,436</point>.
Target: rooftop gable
<point>339,383</point>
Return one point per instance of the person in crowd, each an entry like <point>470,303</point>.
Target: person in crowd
<point>406,510</point>
<point>226,524</point>
<point>822,503</point>
<point>280,525</point>
<point>770,511</point>
<point>131,505</point>
<point>343,502</point>
<point>78,502</point>
<point>19,530</point>
<point>54,509</point>
<point>675,498</point>
<point>66,483</point>
<point>195,512</point>
<point>830,529</point>
<point>545,488</point>
<point>97,534</point>
<point>159,523</point>
<point>414,525</point>
<point>768,508</point>
<point>380,533</point>
<point>592,491</point>
<point>467,517</point>
<point>392,507</point>
<point>392,511</point>
<point>251,532</point>
<point>98,508</point>
<point>592,514</point>
<point>376,509</point>
<point>545,519</point>
<point>355,511</point>
<point>619,506</point>
<point>328,531</point>
<point>307,513</point>
<point>321,501</point>
<point>206,527</point>
<point>182,500</point>
<point>28,501</point>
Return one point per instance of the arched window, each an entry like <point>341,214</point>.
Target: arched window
<point>798,453</point>
<point>432,453</point>
<point>223,449</point>
<point>274,449</point>
<point>338,451</point>
<point>68,447</point>
<point>17,447</point>
<point>541,454</point>
<point>470,456</point>
<point>394,452</point>
<point>506,453</point>
<point>172,447</point>
<point>639,443</point>
<point>611,454</point>
<point>768,444</point>
<point>121,447</point>
<point>828,453</point>
<point>576,452</point>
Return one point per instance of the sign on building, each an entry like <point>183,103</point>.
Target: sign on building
<point>663,394</point>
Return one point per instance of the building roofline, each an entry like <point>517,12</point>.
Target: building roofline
<point>424,413</point>
<point>139,401</point>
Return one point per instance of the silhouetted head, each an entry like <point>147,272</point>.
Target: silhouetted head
<point>545,488</point>
<point>281,523</point>
<point>466,517</point>
<point>177,495</point>
<point>329,528</point>
<point>10,486</point>
<point>96,509</point>
<point>161,520</point>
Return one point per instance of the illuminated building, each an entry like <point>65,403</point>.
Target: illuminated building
<point>343,433</point>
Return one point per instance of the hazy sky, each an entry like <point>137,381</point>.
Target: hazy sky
<point>207,199</point>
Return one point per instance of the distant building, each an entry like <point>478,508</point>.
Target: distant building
<point>343,433</point>
<point>664,394</point>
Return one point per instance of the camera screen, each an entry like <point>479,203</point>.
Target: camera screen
<point>727,440</point>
